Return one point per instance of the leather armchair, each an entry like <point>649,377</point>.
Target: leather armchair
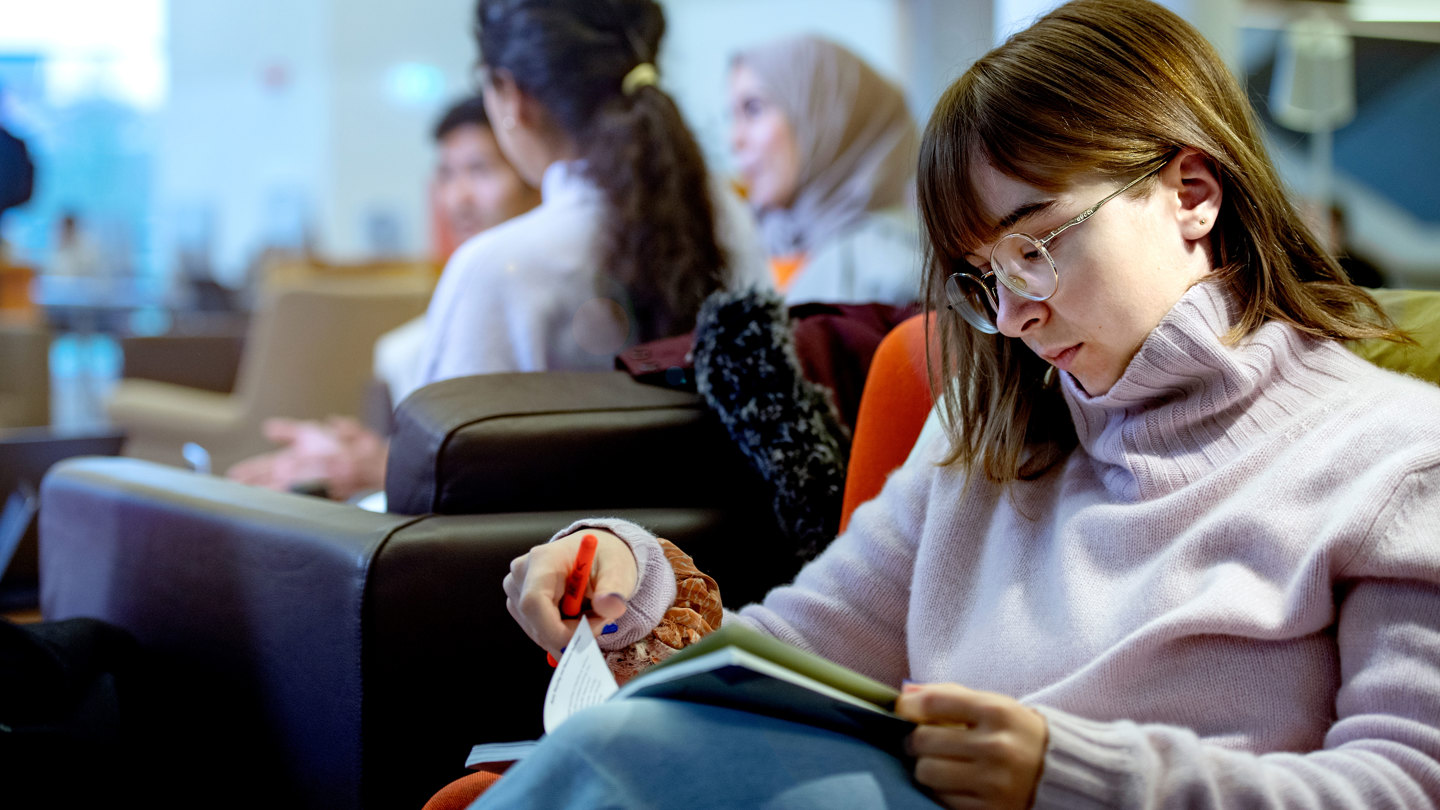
<point>310,654</point>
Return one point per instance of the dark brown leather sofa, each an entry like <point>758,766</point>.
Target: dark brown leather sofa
<point>302,653</point>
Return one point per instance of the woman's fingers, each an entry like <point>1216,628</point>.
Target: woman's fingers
<point>948,703</point>
<point>536,583</point>
<point>540,593</point>
<point>974,748</point>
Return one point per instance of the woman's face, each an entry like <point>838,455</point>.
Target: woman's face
<point>1120,271</point>
<point>762,142</point>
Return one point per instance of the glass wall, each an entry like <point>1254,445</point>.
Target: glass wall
<point>82,82</point>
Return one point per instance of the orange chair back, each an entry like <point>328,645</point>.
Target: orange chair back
<point>893,408</point>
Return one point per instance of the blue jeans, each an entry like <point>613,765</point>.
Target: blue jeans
<point>648,753</point>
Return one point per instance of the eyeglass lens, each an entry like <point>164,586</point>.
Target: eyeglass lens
<point>1021,263</point>
<point>1025,266</point>
<point>970,298</point>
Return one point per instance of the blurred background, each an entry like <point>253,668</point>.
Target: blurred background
<point>180,147</point>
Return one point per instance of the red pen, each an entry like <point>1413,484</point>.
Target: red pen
<point>579,578</point>
<point>577,583</point>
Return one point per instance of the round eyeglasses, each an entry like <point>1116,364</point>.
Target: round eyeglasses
<point>1020,262</point>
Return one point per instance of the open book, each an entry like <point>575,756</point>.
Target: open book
<point>735,667</point>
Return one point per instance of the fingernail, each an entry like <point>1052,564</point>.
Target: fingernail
<point>621,597</point>
<point>609,628</point>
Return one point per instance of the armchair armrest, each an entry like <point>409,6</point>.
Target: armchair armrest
<point>249,607</point>
<point>334,657</point>
<point>562,440</point>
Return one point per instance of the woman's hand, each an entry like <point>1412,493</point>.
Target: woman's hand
<point>974,749</point>
<point>537,581</point>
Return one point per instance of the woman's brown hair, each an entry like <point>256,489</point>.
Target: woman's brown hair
<point>658,240</point>
<point>1112,87</point>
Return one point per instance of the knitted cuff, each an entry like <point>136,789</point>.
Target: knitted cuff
<point>1087,764</point>
<point>694,615</point>
<point>654,590</point>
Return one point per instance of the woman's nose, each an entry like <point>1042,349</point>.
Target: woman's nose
<point>737,133</point>
<point>1015,316</point>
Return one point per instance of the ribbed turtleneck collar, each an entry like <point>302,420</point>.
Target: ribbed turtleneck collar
<point>1188,402</point>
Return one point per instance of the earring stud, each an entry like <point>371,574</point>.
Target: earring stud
<point>1203,220</point>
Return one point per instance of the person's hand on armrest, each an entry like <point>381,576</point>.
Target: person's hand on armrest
<point>339,454</point>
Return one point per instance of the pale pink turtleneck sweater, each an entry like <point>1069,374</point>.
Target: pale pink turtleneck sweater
<point>1228,596</point>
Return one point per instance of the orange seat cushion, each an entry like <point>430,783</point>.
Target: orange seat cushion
<point>893,408</point>
<point>459,794</point>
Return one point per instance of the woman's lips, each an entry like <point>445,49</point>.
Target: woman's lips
<point>1063,359</point>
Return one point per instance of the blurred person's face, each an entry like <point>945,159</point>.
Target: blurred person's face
<point>476,188</point>
<point>762,142</point>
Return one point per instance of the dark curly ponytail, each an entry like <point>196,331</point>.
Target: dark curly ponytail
<point>658,239</point>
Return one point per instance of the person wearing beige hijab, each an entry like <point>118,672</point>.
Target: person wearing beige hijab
<point>826,152</point>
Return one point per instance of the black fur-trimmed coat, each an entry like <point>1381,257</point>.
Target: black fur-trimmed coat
<point>791,428</point>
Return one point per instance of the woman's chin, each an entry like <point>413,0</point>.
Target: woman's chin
<point>1095,385</point>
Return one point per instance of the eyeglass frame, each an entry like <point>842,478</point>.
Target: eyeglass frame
<point>991,292</point>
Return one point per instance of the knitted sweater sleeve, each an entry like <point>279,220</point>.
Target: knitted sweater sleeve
<point>1381,751</point>
<point>851,603</point>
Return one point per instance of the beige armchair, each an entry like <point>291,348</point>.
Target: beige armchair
<point>308,355</point>
<point>24,375</point>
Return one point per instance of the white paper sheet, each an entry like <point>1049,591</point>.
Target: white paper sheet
<point>581,679</point>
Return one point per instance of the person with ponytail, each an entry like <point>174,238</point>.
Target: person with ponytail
<point>1171,544</point>
<point>632,233</point>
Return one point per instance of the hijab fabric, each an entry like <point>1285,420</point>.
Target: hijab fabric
<point>858,145</point>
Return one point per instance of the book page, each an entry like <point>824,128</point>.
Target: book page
<point>581,679</point>
<point>492,753</point>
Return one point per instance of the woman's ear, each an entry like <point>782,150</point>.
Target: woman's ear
<point>1199,192</point>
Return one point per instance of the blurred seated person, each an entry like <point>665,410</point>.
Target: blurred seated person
<point>621,250</point>
<point>76,255</point>
<point>826,152</point>
<point>474,189</point>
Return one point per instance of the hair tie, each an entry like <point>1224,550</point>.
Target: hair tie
<point>642,75</point>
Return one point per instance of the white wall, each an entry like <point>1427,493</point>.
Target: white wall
<point>380,151</point>
<point>228,141</point>
<point>278,105</point>
<point>941,39</point>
